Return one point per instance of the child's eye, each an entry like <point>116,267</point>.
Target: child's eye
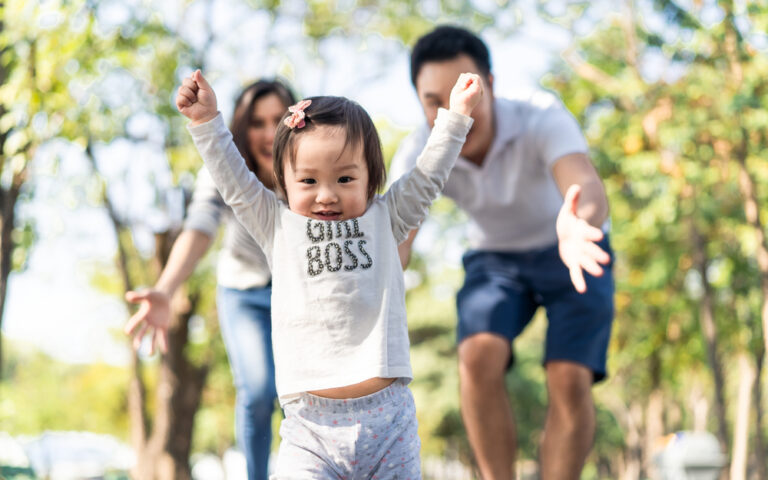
<point>308,181</point>
<point>345,179</point>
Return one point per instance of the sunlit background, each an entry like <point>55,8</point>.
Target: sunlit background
<point>96,166</point>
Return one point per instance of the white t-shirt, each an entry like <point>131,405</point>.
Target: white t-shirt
<point>338,298</point>
<point>512,199</point>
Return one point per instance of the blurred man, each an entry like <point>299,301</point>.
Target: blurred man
<point>536,206</point>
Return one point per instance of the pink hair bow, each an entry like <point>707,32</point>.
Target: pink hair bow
<point>296,120</point>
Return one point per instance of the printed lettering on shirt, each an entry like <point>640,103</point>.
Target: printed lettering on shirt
<point>315,265</point>
<point>344,247</point>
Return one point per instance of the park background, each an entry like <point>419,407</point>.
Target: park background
<point>96,167</point>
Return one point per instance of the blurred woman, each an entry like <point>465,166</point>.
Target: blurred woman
<point>244,280</point>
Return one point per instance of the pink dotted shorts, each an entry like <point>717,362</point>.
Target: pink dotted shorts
<point>371,437</point>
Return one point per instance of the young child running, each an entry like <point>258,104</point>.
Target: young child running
<point>338,309</point>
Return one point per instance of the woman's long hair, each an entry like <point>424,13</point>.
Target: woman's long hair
<point>243,116</point>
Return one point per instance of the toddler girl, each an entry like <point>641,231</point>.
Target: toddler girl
<point>339,330</point>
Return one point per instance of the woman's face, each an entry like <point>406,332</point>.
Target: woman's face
<point>266,115</point>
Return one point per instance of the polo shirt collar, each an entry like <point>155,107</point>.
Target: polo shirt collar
<point>508,128</point>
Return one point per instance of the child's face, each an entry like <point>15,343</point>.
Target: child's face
<point>328,179</point>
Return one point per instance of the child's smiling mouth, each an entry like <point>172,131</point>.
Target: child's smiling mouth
<point>327,215</point>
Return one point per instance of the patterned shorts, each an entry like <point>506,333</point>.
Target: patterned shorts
<point>371,437</point>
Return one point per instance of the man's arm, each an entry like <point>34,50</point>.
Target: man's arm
<point>410,196</point>
<point>576,169</point>
<point>584,210</point>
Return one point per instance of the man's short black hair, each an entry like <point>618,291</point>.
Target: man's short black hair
<point>445,43</point>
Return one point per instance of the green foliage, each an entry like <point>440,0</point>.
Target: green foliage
<point>667,146</point>
<point>667,108</point>
<point>45,392</point>
<point>16,473</point>
<point>400,19</point>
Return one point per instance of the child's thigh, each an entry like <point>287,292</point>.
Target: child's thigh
<point>388,446</point>
<point>304,449</point>
<point>297,463</point>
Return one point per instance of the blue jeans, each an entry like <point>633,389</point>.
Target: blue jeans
<point>244,316</point>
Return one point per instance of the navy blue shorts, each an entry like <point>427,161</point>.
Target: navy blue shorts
<point>502,291</point>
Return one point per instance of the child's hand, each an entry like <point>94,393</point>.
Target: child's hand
<point>466,94</point>
<point>196,100</point>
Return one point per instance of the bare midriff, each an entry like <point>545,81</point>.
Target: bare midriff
<point>366,387</point>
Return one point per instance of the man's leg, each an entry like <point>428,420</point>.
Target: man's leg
<point>483,360</point>
<point>570,426</point>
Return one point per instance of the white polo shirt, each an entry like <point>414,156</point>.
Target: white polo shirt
<point>512,198</point>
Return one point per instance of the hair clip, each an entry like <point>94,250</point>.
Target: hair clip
<point>296,120</point>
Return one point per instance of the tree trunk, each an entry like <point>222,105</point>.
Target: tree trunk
<point>761,470</point>
<point>752,214</point>
<point>699,408</point>
<point>654,429</point>
<point>137,390</point>
<point>7,208</point>
<point>628,464</point>
<point>709,329</point>
<point>165,455</point>
<point>741,428</point>
<point>654,417</point>
<point>163,451</point>
<point>8,200</point>
<point>137,414</point>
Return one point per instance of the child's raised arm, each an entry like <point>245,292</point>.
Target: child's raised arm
<point>466,94</point>
<point>196,99</point>
<point>410,196</point>
<point>254,205</point>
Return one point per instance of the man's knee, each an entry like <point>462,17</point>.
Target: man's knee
<point>569,385</point>
<point>483,358</point>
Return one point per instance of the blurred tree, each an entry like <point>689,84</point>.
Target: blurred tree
<point>673,101</point>
<point>150,53</point>
<point>90,79</point>
<point>45,391</point>
<point>30,95</point>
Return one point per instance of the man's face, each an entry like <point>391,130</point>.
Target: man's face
<point>433,86</point>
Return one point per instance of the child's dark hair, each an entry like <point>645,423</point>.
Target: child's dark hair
<point>334,111</point>
<point>446,43</point>
<point>243,115</point>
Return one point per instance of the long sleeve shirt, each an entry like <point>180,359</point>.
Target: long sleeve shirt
<point>241,263</point>
<point>338,298</point>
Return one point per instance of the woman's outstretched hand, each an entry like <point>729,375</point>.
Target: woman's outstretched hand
<point>196,99</point>
<point>466,94</point>
<point>153,317</point>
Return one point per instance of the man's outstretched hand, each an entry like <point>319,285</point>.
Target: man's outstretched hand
<point>576,241</point>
